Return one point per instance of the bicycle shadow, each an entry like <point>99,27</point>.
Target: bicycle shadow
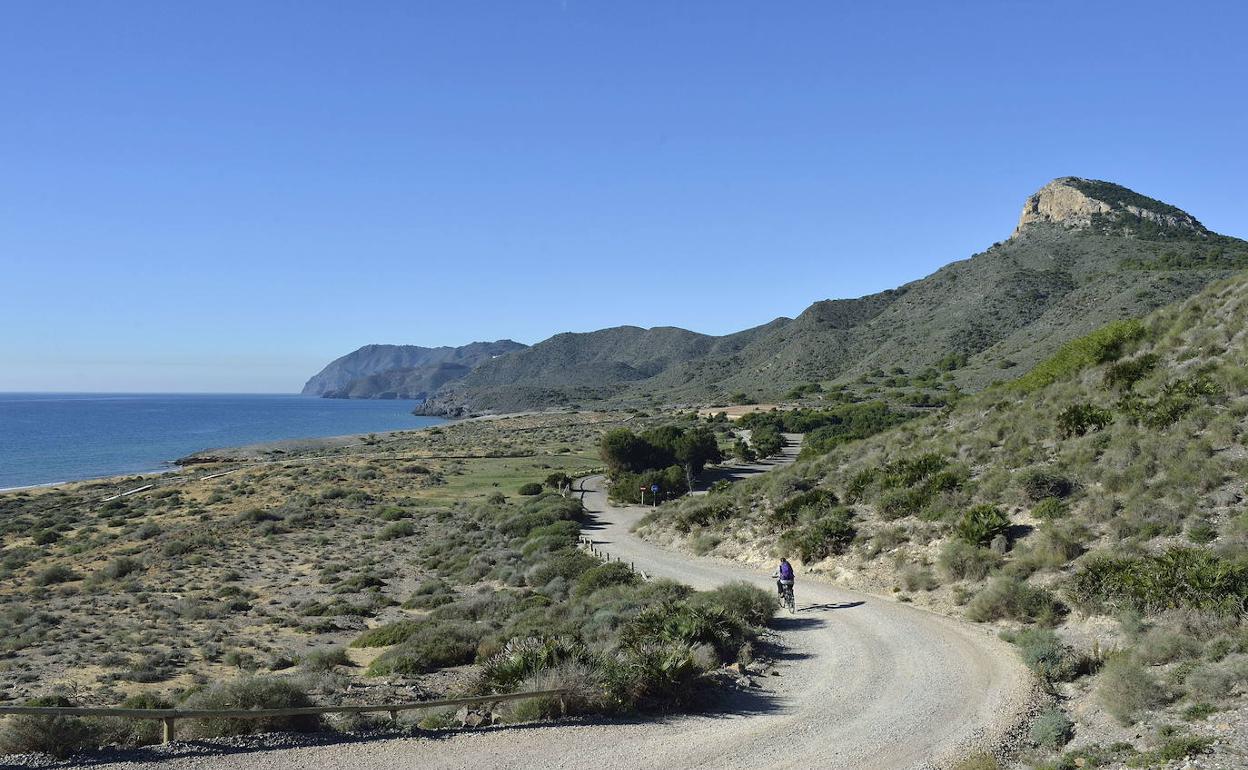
<point>831,606</point>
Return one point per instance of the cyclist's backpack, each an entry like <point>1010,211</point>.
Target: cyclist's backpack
<point>786,571</point>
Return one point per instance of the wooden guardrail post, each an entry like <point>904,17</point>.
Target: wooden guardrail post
<point>168,730</point>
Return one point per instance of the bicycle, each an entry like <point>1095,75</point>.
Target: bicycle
<point>786,595</point>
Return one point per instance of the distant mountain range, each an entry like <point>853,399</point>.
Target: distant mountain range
<point>1084,252</point>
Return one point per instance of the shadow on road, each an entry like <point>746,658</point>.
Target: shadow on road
<point>832,606</point>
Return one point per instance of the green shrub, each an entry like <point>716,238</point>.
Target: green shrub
<point>1179,578</point>
<point>1078,419</point>
<point>59,736</point>
<point>918,578</point>
<point>433,645</point>
<point>898,503</point>
<point>739,599</point>
<point>393,513</point>
<point>766,441</point>
<point>978,761</point>
<point>1202,533</point>
<point>1011,598</point>
<point>1175,400</point>
<point>147,530</point>
<point>1126,689</point>
<point>1123,375</point>
<point>703,543</point>
<point>119,731</point>
<point>177,547</point>
<point>964,561</point>
<point>397,530</point>
<point>429,595</point>
<point>1173,750</point>
<point>324,660</point>
<point>980,524</point>
<point>1162,644</point>
<point>652,674</point>
<point>257,516</point>
<point>566,563</point>
<point>687,624</point>
<point>1046,655</point>
<point>1216,680</point>
<point>530,488</point>
<point>603,576</point>
<point>46,537</point>
<point>1199,711</point>
<point>701,511</point>
<point>1056,545</point>
<point>520,659</point>
<point>822,538</point>
<point>1049,509</point>
<point>1052,729</point>
<point>56,574</point>
<point>1038,485</point>
<point>389,634</point>
<point>120,567</point>
<point>428,601</point>
<point>255,692</point>
<point>810,503</point>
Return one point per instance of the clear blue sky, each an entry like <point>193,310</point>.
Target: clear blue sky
<point>225,196</point>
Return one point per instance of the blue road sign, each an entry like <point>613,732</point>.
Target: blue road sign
<point>654,488</point>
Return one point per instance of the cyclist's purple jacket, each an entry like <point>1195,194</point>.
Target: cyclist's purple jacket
<point>786,571</point>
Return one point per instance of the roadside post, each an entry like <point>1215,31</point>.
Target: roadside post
<point>654,494</point>
<point>643,494</point>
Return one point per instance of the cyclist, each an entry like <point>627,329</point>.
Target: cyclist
<point>784,577</point>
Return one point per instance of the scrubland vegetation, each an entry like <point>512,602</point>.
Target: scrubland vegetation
<point>1094,510</point>
<point>416,565</point>
<point>668,457</point>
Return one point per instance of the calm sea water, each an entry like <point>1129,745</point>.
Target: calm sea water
<point>46,438</point>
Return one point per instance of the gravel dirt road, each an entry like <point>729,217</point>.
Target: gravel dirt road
<point>863,682</point>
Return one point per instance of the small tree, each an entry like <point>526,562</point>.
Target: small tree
<point>694,449</point>
<point>622,450</point>
<point>559,481</point>
<point>766,440</point>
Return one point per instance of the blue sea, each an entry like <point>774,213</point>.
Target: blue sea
<point>52,437</point>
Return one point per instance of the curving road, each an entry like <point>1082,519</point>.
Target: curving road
<point>864,683</point>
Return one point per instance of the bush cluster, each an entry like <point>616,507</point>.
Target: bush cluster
<point>1179,578</point>
<point>829,532</point>
<point>565,619</point>
<point>826,429</point>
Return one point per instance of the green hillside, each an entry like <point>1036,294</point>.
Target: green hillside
<point>1084,253</point>
<point>1093,510</point>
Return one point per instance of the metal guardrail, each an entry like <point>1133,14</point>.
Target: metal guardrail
<point>169,717</point>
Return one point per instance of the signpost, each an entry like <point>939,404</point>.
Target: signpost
<point>654,491</point>
<point>643,494</point>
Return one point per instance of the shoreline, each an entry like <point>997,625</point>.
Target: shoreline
<point>237,453</point>
<point>276,445</point>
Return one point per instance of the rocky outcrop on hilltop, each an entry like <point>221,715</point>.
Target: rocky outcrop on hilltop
<point>1085,203</point>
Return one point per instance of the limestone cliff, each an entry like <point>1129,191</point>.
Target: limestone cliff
<point>1092,204</point>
